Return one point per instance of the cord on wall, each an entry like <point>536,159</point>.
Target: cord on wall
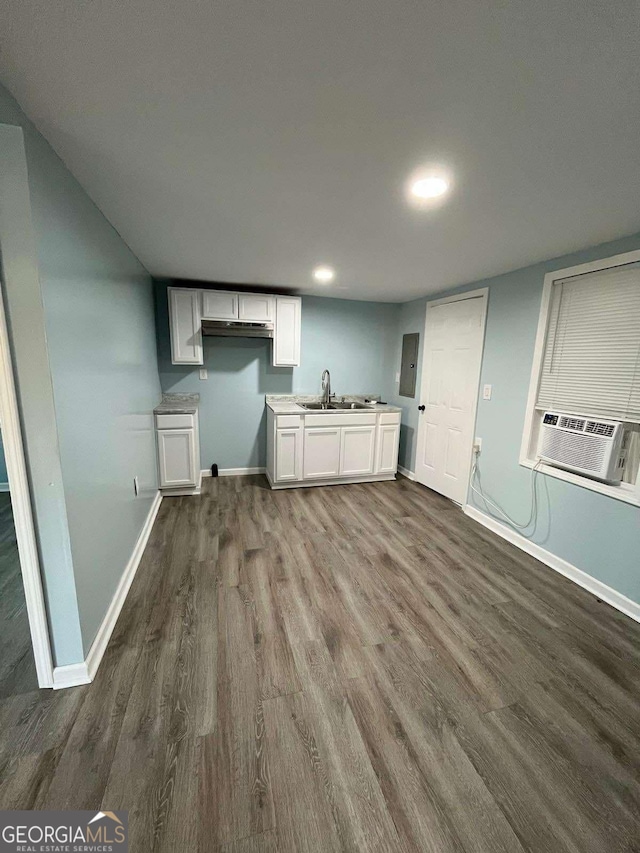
<point>533,515</point>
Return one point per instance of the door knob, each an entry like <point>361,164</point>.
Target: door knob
<point>421,408</point>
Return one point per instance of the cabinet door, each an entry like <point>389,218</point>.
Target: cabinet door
<point>387,454</point>
<point>286,342</point>
<point>185,326</point>
<point>288,454</point>
<point>321,452</point>
<point>258,307</point>
<point>177,458</point>
<point>219,305</point>
<point>358,446</point>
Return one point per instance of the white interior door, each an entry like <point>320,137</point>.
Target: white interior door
<point>453,341</point>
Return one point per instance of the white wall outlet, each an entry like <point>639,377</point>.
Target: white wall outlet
<point>136,486</point>
<point>486,392</point>
<point>477,445</point>
<point>397,378</point>
<point>204,373</point>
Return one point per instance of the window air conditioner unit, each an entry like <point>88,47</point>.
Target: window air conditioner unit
<point>588,446</point>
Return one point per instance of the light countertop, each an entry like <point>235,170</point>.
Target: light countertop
<point>281,404</point>
<point>178,404</point>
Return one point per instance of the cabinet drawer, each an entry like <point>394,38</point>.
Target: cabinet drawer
<point>288,421</point>
<point>390,418</point>
<point>340,419</point>
<point>174,421</point>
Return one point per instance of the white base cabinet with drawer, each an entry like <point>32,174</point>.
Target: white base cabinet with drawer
<point>178,454</point>
<point>336,447</point>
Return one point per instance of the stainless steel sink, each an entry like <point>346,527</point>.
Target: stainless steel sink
<point>323,407</point>
<point>347,406</point>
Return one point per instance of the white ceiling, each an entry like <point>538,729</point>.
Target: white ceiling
<point>247,141</point>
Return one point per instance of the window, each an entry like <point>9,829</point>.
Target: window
<point>587,360</point>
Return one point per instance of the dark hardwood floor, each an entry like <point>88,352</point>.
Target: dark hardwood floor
<point>17,667</point>
<point>353,668</point>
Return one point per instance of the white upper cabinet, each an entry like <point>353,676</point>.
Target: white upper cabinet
<point>286,343</point>
<point>188,308</point>
<point>257,307</point>
<point>185,325</point>
<point>219,305</point>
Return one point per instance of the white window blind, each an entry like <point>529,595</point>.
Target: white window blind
<point>591,362</point>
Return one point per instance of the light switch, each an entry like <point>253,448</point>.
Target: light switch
<point>486,392</point>
<point>204,373</point>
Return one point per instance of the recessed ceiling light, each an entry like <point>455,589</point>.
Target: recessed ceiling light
<point>324,275</point>
<point>431,187</point>
<point>428,186</point>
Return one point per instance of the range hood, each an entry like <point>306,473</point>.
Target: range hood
<point>236,329</point>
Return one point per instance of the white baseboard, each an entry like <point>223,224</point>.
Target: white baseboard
<point>83,673</point>
<point>593,585</point>
<point>4,487</point>
<point>410,475</point>
<point>333,481</point>
<point>70,676</point>
<point>233,472</point>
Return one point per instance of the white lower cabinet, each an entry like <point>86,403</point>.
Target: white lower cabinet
<point>288,454</point>
<point>178,453</point>
<point>387,451</point>
<point>357,450</point>
<point>345,447</point>
<point>321,452</point>
<point>177,458</point>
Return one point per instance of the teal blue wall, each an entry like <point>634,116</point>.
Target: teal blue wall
<point>598,534</point>
<point>99,315</point>
<point>354,340</point>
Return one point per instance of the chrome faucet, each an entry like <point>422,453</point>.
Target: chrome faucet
<point>326,387</point>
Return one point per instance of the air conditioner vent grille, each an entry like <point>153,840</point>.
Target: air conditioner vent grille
<point>590,447</point>
<point>597,428</point>
<point>587,453</point>
<point>572,423</point>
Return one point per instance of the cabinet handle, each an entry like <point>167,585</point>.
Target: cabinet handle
<point>421,408</point>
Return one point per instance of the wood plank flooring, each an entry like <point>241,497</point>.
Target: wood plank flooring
<point>350,668</point>
<point>17,667</point>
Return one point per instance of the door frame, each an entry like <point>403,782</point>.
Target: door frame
<point>481,293</point>
<point>22,513</point>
